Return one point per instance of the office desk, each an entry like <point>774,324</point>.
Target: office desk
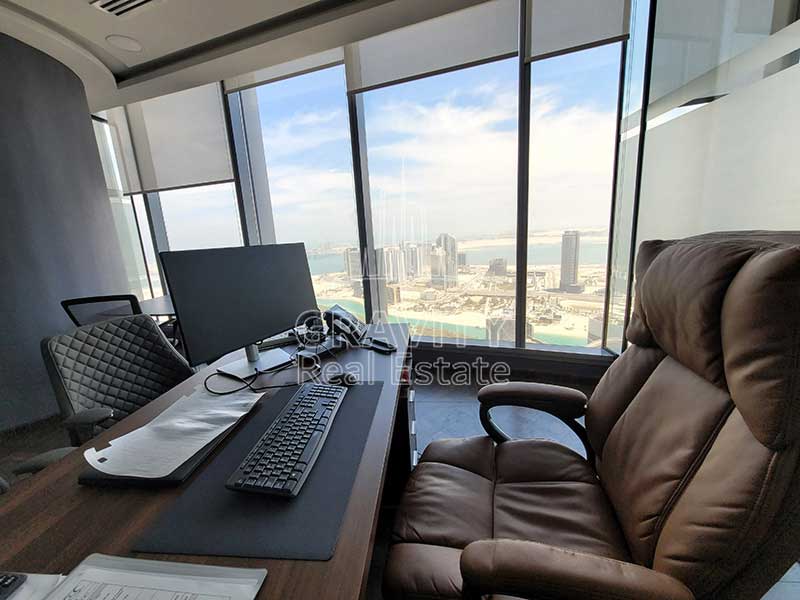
<point>50,523</point>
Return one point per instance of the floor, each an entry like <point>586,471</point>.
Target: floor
<point>442,412</point>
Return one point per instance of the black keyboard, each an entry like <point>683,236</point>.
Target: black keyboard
<point>281,460</point>
<point>9,582</point>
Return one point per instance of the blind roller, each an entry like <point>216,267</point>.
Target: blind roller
<point>559,26</point>
<point>180,139</point>
<point>487,30</point>
<point>284,70</point>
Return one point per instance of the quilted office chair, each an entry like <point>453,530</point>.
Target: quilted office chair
<point>89,309</point>
<point>103,372</point>
<point>694,488</point>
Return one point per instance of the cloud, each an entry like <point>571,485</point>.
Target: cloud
<point>444,165</point>
<point>304,131</point>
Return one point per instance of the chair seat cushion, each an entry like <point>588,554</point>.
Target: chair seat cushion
<point>471,489</point>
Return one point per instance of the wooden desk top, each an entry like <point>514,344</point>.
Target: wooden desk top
<point>50,523</point>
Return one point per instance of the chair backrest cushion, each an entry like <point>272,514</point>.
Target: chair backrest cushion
<point>122,364</point>
<point>696,426</point>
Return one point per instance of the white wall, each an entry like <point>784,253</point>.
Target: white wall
<point>730,165</point>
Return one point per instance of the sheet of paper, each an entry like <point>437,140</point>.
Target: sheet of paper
<point>36,587</point>
<point>173,437</point>
<point>102,577</point>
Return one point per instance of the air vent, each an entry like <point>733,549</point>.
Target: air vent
<point>122,8</point>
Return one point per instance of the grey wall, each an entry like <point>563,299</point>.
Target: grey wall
<point>57,237</point>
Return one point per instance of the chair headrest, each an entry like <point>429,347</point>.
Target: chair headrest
<point>727,306</point>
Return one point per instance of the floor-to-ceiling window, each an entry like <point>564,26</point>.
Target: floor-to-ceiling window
<point>201,217</point>
<point>442,182</point>
<point>573,111</point>
<point>124,215</point>
<point>303,129</point>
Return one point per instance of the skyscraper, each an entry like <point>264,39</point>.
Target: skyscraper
<point>570,257</point>
<point>413,256</point>
<point>352,264</point>
<point>498,267</point>
<point>439,268</point>
<point>448,243</point>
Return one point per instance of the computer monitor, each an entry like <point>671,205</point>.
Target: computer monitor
<point>229,298</point>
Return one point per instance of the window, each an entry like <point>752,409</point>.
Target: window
<point>304,129</point>
<point>151,260</point>
<point>442,181</point>
<point>123,215</point>
<point>201,217</point>
<point>573,131</point>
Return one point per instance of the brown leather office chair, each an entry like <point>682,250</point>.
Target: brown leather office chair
<point>692,489</point>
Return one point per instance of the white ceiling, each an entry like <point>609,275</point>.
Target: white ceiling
<point>191,42</point>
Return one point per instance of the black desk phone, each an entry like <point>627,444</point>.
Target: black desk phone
<point>342,322</point>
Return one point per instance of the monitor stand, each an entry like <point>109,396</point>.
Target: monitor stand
<point>256,361</point>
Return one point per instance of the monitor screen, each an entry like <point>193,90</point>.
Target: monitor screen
<point>227,298</point>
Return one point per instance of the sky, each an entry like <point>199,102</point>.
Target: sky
<point>442,155</point>
<point>442,151</point>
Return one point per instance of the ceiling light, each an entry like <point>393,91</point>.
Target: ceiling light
<point>123,42</point>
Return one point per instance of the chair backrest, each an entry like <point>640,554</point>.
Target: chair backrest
<point>697,425</point>
<point>122,364</point>
<point>92,309</point>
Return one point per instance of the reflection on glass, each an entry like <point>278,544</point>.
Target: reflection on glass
<point>122,214</point>
<point>442,176</point>
<point>573,126</point>
<point>147,243</point>
<point>202,217</point>
<point>306,144</point>
<point>627,161</point>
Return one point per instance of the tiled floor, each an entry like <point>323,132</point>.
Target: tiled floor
<point>444,412</point>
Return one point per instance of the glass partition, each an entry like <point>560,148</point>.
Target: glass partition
<point>719,152</point>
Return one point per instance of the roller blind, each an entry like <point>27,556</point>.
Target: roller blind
<point>284,70</point>
<point>180,139</point>
<point>560,26</point>
<point>485,31</point>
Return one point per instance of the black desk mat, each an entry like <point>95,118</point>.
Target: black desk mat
<point>208,519</point>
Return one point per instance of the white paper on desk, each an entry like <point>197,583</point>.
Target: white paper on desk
<point>173,437</point>
<point>102,577</point>
<point>36,587</point>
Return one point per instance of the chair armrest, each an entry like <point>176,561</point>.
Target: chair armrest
<point>534,570</point>
<point>562,402</point>
<point>82,423</point>
<point>41,461</point>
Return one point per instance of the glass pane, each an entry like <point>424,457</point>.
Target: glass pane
<point>720,151</point>
<point>573,127</point>
<point>128,235</point>
<point>627,161</point>
<point>202,217</point>
<point>122,214</point>
<point>442,157</point>
<point>306,143</point>
<point>147,242</point>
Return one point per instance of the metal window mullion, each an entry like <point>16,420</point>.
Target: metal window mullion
<point>615,178</point>
<point>158,230</point>
<point>257,166</point>
<point>648,70</point>
<point>141,246</point>
<point>241,168</point>
<point>523,173</point>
